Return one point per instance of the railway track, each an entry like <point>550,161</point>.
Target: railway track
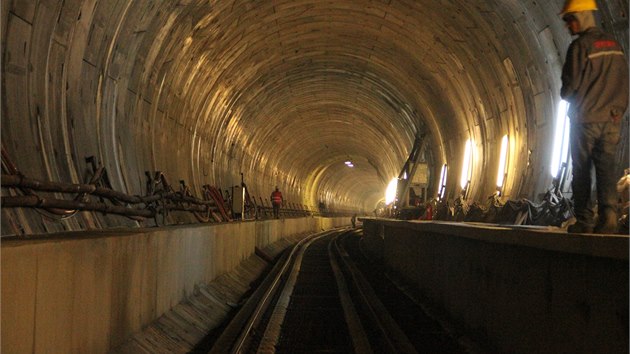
<point>322,296</point>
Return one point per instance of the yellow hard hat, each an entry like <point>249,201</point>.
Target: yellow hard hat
<point>578,5</point>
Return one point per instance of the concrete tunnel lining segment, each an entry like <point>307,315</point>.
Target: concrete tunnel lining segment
<point>281,90</point>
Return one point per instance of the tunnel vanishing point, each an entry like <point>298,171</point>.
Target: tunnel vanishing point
<point>210,94</point>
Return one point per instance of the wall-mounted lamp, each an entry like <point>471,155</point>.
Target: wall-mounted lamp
<point>501,172</point>
<point>442,184</point>
<point>390,192</point>
<point>349,163</point>
<point>466,170</point>
<point>560,152</point>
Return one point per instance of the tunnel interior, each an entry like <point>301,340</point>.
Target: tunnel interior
<point>283,93</point>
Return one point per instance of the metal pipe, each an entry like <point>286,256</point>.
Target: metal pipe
<point>17,181</point>
<point>32,201</point>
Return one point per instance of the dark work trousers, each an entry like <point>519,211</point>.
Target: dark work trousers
<point>594,143</point>
<point>276,210</point>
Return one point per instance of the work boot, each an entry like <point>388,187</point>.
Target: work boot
<point>607,224</point>
<point>580,228</point>
<point>606,229</point>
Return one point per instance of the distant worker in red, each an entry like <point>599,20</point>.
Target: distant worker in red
<point>428,211</point>
<point>595,84</point>
<point>276,202</point>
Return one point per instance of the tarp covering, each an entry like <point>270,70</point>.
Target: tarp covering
<point>554,210</point>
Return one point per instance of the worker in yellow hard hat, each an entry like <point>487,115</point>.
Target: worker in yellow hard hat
<point>578,6</point>
<point>595,84</point>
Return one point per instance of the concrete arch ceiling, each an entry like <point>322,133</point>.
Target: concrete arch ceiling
<point>284,91</point>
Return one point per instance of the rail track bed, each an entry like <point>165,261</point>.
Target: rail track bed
<point>324,296</point>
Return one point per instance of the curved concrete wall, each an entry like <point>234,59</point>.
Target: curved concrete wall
<point>283,92</point>
<point>516,290</point>
<point>77,294</point>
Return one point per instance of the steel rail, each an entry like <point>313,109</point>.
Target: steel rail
<point>296,252</point>
<point>355,295</point>
<point>236,335</point>
<point>358,335</point>
<point>273,328</point>
<point>394,339</point>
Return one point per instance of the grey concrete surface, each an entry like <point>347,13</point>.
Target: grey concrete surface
<point>515,290</point>
<point>89,294</point>
<point>183,328</point>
